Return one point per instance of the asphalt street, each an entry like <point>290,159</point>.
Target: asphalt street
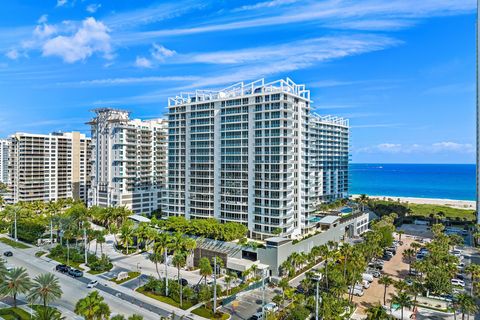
<point>75,288</point>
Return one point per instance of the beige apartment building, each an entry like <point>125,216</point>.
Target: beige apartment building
<point>48,167</point>
<point>128,161</point>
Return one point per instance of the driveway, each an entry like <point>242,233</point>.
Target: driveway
<point>248,303</point>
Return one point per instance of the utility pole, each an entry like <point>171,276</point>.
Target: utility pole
<point>214,284</point>
<point>165,254</point>
<point>68,253</point>
<point>263,293</point>
<point>85,243</point>
<point>15,224</point>
<point>317,278</point>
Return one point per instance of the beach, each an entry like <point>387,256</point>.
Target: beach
<point>459,204</point>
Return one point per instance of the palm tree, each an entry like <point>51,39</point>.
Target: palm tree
<point>126,234</point>
<point>54,208</point>
<point>16,282</point>
<point>179,261</point>
<point>377,312</point>
<point>466,304</point>
<point>284,285</point>
<point>47,314</point>
<point>415,246</point>
<point>162,243</point>
<point>409,254</point>
<point>45,288</point>
<point>403,300</point>
<point>400,232</point>
<point>386,281</point>
<point>3,270</point>
<point>205,268</point>
<point>345,253</point>
<point>363,200</point>
<point>474,270</point>
<point>156,259</point>
<point>92,307</point>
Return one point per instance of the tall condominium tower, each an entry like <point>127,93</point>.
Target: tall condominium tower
<point>4,160</point>
<point>128,161</point>
<point>253,153</point>
<point>48,167</point>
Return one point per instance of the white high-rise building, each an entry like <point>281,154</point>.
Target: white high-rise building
<point>253,153</point>
<point>4,160</point>
<point>45,167</point>
<point>128,161</point>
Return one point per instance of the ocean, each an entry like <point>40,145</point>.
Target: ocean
<point>442,181</point>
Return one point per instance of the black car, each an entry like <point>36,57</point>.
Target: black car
<point>75,273</point>
<point>8,253</point>
<point>184,282</point>
<point>386,257</point>
<point>461,277</point>
<point>62,268</point>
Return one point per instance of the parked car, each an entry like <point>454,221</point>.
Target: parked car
<point>62,268</point>
<point>368,277</point>
<point>257,316</point>
<point>374,272</point>
<point>409,281</point>
<point>461,266</point>
<point>386,257</point>
<point>75,273</point>
<point>365,284</point>
<point>271,306</point>
<point>388,252</point>
<point>414,272</point>
<point>356,291</point>
<point>8,253</point>
<point>460,276</point>
<point>458,282</point>
<point>92,284</point>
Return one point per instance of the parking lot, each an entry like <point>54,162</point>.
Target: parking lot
<point>248,303</point>
<point>395,268</point>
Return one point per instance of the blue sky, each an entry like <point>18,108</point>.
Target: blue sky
<point>402,71</point>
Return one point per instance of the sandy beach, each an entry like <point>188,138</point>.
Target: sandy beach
<point>460,204</point>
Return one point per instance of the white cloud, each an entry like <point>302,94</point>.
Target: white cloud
<point>265,4</point>
<point>90,38</point>
<point>357,15</point>
<point>44,30</point>
<point>12,54</point>
<point>159,52</point>
<point>434,148</point>
<point>43,18</point>
<point>254,63</point>
<point>92,8</point>
<point>143,62</point>
<point>61,3</point>
<point>128,81</point>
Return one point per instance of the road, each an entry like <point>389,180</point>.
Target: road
<point>121,300</point>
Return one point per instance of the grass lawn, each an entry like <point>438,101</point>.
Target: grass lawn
<point>38,254</point>
<point>12,243</point>
<point>14,314</point>
<point>168,300</point>
<point>72,264</point>
<point>208,313</point>
<point>425,210</point>
<point>131,275</point>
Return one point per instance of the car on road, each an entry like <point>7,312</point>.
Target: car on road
<point>458,282</point>
<point>271,306</point>
<point>63,268</point>
<point>8,253</point>
<point>257,316</point>
<point>92,284</point>
<point>75,273</point>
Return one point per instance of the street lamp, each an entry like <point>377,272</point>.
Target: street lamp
<point>138,270</point>
<point>317,278</point>
<point>214,284</point>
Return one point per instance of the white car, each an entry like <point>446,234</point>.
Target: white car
<point>92,284</point>
<point>458,282</point>
<point>356,291</point>
<point>271,306</point>
<point>365,284</point>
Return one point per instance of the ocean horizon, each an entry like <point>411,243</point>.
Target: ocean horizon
<point>438,181</point>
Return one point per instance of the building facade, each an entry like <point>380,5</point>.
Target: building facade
<point>254,154</point>
<point>48,167</point>
<point>128,161</point>
<point>4,143</point>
